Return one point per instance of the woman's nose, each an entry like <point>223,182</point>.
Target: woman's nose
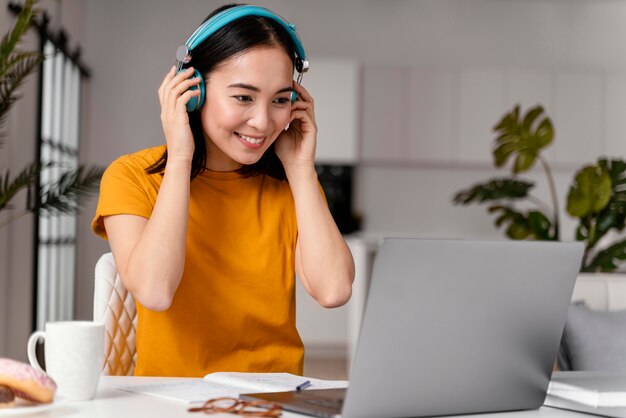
<point>260,119</point>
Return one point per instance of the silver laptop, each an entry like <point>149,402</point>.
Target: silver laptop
<point>453,327</point>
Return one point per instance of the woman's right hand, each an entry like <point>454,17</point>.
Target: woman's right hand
<point>174,94</point>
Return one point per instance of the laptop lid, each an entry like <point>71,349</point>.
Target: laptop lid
<point>457,327</point>
<point>453,327</point>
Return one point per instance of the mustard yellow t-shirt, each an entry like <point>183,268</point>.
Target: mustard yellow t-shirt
<point>234,309</point>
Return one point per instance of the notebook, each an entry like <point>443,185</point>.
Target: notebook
<point>560,403</point>
<point>594,389</point>
<point>453,327</point>
<point>226,384</point>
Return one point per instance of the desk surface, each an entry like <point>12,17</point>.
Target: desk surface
<point>110,402</point>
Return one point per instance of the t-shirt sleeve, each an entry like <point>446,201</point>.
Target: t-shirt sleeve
<point>123,190</point>
<point>322,191</point>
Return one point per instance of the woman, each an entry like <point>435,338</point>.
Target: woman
<point>207,231</point>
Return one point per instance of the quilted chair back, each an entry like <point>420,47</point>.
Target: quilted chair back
<point>114,306</point>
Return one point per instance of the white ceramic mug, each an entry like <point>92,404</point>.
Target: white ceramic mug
<point>74,353</point>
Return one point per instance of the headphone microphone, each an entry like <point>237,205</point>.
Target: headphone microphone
<point>215,23</point>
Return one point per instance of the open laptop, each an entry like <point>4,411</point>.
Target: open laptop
<point>453,327</point>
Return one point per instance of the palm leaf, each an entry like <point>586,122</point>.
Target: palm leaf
<point>15,65</point>
<point>10,187</point>
<point>12,38</point>
<point>14,78</point>
<point>495,189</point>
<point>18,56</point>
<point>63,196</point>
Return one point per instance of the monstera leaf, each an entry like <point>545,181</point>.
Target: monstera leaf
<point>614,213</point>
<point>530,225</point>
<point>607,260</point>
<point>495,189</point>
<point>522,138</point>
<point>597,197</point>
<point>590,192</point>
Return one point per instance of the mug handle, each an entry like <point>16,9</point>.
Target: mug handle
<point>32,345</point>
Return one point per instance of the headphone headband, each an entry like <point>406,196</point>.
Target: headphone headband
<point>227,16</point>
<point>215,23</point>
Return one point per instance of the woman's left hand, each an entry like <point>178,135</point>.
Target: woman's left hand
<point>296,146</point>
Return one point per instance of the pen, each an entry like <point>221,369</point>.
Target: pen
<point>303,385</point>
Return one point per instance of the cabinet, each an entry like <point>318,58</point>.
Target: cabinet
<point>446,115</point>
<point>334,84</point>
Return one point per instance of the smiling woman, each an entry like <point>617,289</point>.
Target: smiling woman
<point>208,231</point>
<point>245,110</point>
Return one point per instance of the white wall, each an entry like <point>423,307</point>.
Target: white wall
<point>130,45</point>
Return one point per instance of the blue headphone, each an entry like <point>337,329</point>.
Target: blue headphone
<point>215,23</point>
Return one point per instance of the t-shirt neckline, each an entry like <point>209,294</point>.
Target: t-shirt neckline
<point>221,175</point>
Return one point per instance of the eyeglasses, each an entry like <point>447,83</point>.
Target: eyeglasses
<point>240,407</point>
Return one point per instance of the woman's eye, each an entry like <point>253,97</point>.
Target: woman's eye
<point>243,98</point>
<point>281,100</point>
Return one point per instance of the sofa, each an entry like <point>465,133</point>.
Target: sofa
<point>594,337</point>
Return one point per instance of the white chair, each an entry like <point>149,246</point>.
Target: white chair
<point>114,306</point>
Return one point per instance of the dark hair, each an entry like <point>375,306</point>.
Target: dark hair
<point>238,36</point>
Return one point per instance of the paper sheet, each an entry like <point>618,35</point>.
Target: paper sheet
<point>199,390</point>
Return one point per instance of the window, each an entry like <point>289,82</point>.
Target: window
<point>55,236</point>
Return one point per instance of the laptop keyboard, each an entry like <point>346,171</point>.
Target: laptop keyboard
<point>335,404</point>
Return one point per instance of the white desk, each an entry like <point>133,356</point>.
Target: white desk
<point>111,403</point>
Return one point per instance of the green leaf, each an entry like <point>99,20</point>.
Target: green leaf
<point>523,162</point>
<point>516,221</point>
<point>523,138</point>
<point>63,196</point>
<point>12,38</point>
<point>607,260</point>
<point>509,120</point>
<point>540,226</point>
<point>582,232</point>
<point>15,65</point>
<point>9,187</point>
<point>495,189</point>
<point>21,68</point>
<point>530,117</point>
<point>613,216</point>
<point>523,225</point>
<point>590,191</point>
<point>545,133</point>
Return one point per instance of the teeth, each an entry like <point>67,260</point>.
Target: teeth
<point>249,139</point>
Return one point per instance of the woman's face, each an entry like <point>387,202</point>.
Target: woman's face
<point>247,106</point>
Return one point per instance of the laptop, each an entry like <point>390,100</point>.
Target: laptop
<point>453,327</point>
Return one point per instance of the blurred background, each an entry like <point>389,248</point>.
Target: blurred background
<point>407,94</point>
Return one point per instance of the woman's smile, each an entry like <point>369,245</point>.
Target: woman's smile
<point>253,142</point>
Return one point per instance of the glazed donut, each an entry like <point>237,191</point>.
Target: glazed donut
<point>7,397</point>
<point>27,382</point>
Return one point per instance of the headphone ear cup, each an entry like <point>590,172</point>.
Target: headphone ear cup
<point>196,102</point>
<point>294,96</point>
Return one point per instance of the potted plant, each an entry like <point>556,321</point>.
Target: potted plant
<point>62,195</point>
<point>596,198</point>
